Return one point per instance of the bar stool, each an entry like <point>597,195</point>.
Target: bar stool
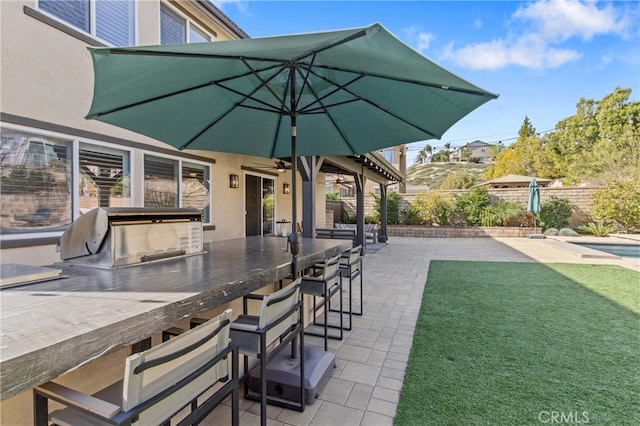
<point>158,383</point>
<point>325,285</point>
<point>351,267</point>
<point>265,336</point>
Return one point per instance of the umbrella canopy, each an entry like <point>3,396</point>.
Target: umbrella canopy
<point>342,92</point>
<point>533,205</point>
<point>352,91</point>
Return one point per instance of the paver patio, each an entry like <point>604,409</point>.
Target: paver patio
<point>372,358</point>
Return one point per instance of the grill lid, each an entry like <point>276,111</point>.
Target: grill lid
<point>117,236</point>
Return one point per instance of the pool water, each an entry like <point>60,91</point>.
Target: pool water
<point>622,250</point>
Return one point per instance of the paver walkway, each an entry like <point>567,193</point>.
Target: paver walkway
<point>372,358</point>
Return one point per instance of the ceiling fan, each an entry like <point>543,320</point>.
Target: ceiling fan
<point>337,180</point>
<point>278,165</point>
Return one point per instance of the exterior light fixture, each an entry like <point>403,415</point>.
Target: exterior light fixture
<point>234,181</point>
<point>286,189</point>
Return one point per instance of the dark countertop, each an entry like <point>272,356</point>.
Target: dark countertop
<point>49,328</point>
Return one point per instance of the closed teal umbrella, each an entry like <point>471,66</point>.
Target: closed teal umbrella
<point>343,92</point>
<point>533,205</point>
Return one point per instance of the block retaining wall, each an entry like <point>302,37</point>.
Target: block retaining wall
<point>580,198</point>
<point>458,232</point>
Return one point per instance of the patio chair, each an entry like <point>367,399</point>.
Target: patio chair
<point>325,286</point>
<point>351,268</point>
<point>264,337</point>
<point>158,384</point>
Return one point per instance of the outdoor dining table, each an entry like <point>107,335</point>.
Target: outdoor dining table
<point>52,327</point>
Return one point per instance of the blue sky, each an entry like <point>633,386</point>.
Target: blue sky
<point>540,56</point>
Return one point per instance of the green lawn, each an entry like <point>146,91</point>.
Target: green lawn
<point>525,343</point>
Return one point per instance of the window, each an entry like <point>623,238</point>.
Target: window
<point>174,29</point>
<point>49,179</point>
<point>388,154</point>
<point>35,176</point>
<point>195,188</point>
<point>103,178</point>
<point>175,183</point>
<point>160,182</point>
<point>110,20</point>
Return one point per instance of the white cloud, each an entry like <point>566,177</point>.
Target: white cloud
<point>424,40</point>
<point>527,52</point>
<point>418,38</point>
<point>563,19</point>
<point>557,57</point>
<point>538,43</point>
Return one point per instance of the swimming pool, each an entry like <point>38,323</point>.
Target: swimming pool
<point>622,250</point>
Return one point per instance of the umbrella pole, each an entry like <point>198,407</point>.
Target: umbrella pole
<point>294,238</point>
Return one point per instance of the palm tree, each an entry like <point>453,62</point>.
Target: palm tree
<point>424,154</point>
<point>447,148</point>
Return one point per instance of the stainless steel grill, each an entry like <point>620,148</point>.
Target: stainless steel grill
<point>114,237</point>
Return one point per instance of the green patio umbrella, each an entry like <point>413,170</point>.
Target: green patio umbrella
<point>533,204</point>
<point>343,92</point>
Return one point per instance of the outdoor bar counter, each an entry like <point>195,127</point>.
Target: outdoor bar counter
<point>53,327</point>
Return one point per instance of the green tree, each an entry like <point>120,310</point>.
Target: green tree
<point>424,154</point>
<point>466,153</point>
<point>600,140</point>
<point>526,129</point>
<point>619,202</point>
<point>447,150</point>
<point>441,156</point>
<point>526,156</point>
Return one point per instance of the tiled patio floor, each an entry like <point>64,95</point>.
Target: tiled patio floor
<point>372,357</point>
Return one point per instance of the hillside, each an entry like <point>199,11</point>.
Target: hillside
<point>432,174</point>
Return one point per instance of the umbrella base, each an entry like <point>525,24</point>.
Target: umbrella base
<point>537,236</point>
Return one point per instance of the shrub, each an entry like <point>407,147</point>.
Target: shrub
<point>371,218</point>
<point>619,202</point>
<point>568,232</point>
<point>433,207</point>
<point>555,213</point>
<point>411,216</point>
<point>598,228</point>
<point>551,232</point>
<point>472,205</point>
<point>501,213</point>
<point>348,219</point>
<point>332,196</point>
<point>393,207</point>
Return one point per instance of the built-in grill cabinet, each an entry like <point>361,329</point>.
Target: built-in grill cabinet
<point>115,237</point>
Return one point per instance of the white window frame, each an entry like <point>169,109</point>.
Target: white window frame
<point>92,22</point>
<point>97,145</point>
<point>187,21</point>
<point>180,161</point>
<point>136,167</point>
